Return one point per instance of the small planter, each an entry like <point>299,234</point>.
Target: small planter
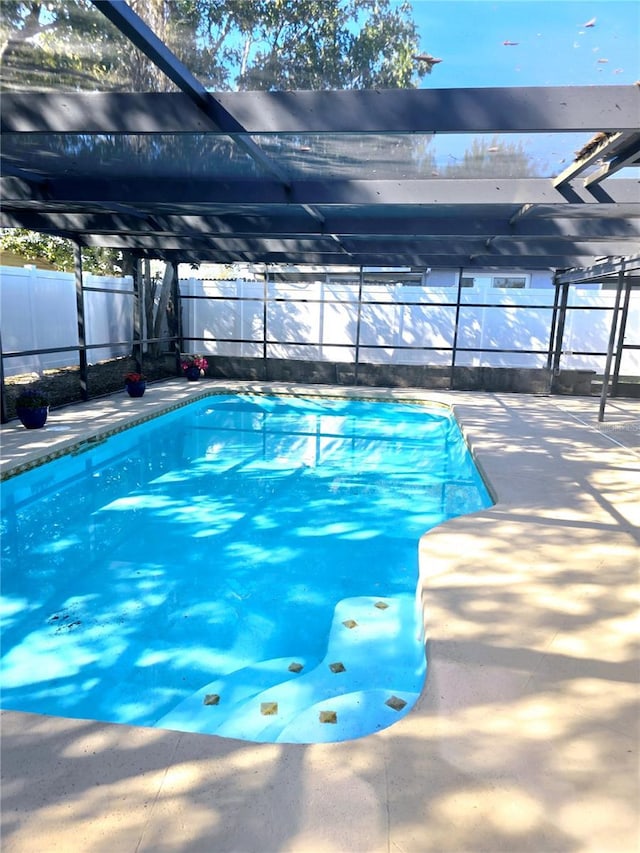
<point>194,366</point>
<point>33,418</point>
<point>136,389</point>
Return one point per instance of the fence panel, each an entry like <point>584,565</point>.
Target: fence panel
<point>38,311</point>
<point>403,324</point>
<point>226,317</point>
<point>407,325</point>
<point>326,320</point>
<point>108,316</point>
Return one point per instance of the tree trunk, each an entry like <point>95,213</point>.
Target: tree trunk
<point>161,311</point>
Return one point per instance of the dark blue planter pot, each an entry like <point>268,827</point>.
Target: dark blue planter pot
<point>33,418</point>
<point>192,373</point>
<point>136,389</point>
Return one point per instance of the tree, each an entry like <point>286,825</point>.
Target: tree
<point>246,44</point>
<point>328,44</point>
<point>59,252</point>
<point>493,158</point>
<point>43,45</point>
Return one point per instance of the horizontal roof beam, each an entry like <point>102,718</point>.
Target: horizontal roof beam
<point>486,191</point>
<point>103,112</point>
<point>499,245</point>
<point>304,252</point>
<point>488,110</point>
<point>372,244</point>
<point>380,229</point>
<point>296,225</point>
<point>415,260</point>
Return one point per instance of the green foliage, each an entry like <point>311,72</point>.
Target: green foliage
<point>329,44</point>
<point>34,247</point>
<point>245,44</point>
<point>62,45</point>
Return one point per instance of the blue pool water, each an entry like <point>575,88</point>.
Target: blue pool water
<point>245,565</point>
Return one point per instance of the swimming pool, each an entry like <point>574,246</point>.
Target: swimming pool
<point>245,566</point>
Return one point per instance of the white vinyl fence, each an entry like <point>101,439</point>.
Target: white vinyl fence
<point>390,324</point>
<point>318,320</point>
<point>38,311</point>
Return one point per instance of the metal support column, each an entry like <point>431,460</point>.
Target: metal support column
<point>3,403</point>
<point>265,297</point>
<point>358,318</point>
<point>178,331</point>
<point>552,335</point>
<point>82,342</point>
<point>557,353</point>
<point>612,338</point>
<point>554,321</point>
<point>621,334</point>
<point>137,315</point>
<point>455,332</point>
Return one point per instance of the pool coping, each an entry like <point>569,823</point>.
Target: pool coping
<point>525,737</point>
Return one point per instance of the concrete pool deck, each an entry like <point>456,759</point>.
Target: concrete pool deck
<point>526,735</point>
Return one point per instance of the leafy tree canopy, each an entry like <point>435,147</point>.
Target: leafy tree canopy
<point>59,252</point>
<point>227,44</point>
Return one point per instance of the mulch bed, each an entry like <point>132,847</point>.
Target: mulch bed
<point>62,385</point>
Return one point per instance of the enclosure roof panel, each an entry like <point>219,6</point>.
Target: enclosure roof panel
<point>533,177</point>
<point>70,51</point>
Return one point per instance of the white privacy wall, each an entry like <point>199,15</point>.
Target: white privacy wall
<point>319,321</point>
<point>38,311</point>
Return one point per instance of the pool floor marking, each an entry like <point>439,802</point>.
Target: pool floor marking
<point>361,686</point>
<point>328,717</point>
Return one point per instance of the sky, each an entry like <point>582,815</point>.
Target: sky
<point>553,45</point>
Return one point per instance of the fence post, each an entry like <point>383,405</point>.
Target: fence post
<point>82,340</point>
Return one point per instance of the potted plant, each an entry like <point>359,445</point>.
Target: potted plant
<point>136,384</point>
<point>194,366</point>
<point>32,407</point>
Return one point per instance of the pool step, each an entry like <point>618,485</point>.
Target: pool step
<point>371,675</point>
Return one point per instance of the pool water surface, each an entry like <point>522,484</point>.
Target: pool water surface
<point>243,566</point>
